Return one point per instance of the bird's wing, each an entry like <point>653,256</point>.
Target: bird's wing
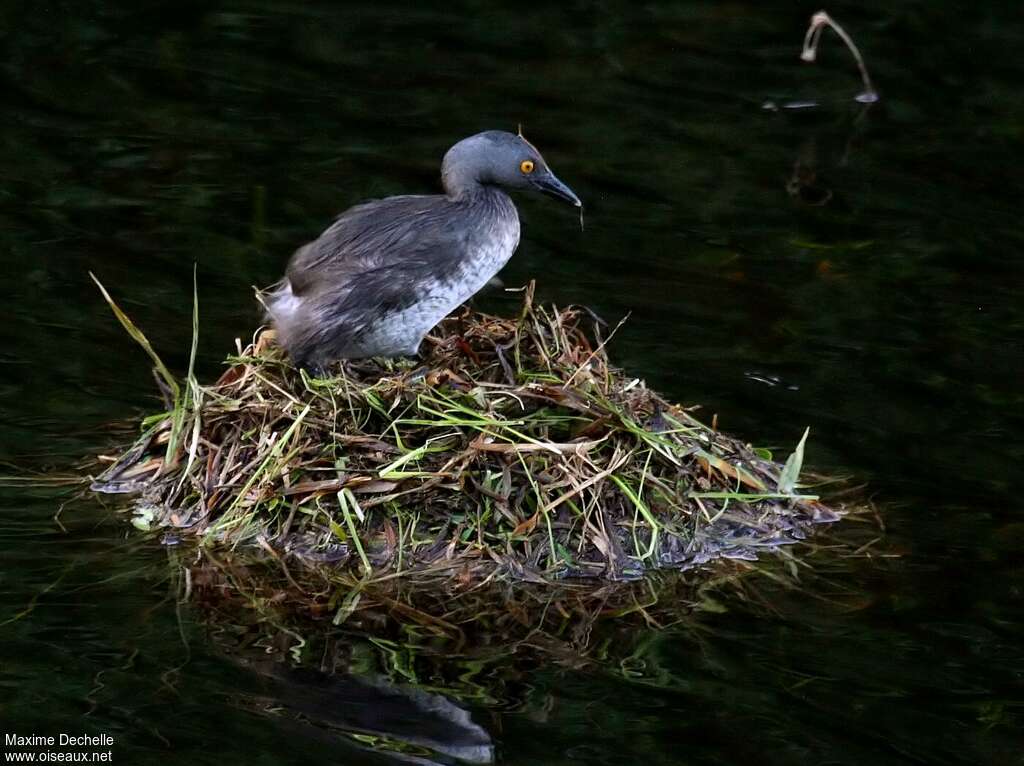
<point>372,237</point>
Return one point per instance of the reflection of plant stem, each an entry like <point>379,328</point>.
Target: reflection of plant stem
<point>819,21</point>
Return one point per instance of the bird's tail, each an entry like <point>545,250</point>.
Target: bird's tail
<point>282,307</point>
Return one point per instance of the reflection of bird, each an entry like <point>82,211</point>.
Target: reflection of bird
<point>387,271</point>
<point>804,183</point>
<point>363,705</point>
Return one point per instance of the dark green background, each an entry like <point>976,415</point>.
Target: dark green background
<point>136,140</point>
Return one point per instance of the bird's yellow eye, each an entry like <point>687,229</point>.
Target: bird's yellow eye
<point>526,166</point>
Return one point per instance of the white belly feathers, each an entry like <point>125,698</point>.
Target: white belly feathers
<point>401,332</point>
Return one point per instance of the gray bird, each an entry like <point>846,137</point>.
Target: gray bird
<point>386,271</point>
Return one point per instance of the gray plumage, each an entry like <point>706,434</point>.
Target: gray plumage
<point>386,271</point>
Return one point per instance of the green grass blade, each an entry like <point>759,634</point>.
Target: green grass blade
<point>195,332</point>
<point>193,399</point>
<point>349,505</point>
<point>226,519</point>
<point>791,470</point>
<point>139,337</point>
<point>641,506</point>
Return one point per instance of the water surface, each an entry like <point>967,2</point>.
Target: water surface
<point>856,270</point>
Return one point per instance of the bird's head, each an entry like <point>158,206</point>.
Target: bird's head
<point>499,158</point>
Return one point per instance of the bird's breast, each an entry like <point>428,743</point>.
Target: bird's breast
<point>485,255</point>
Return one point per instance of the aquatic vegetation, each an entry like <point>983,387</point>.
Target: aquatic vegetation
<point>513,449</point>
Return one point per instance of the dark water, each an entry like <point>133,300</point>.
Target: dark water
<point>137,141</point>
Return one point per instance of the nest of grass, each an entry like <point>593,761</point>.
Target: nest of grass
<point>513,448</point>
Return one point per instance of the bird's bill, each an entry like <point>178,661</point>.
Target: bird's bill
<point>550,185</point>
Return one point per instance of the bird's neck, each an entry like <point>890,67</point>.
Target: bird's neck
<point>474,193</point>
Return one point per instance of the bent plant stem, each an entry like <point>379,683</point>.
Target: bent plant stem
<point>819,21</point>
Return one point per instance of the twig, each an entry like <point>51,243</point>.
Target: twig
<point>598,350</point>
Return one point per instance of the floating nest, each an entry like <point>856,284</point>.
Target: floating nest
<point>511,449</point>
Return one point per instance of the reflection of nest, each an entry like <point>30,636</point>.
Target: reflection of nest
<point>515,449</point>
<point>396,665</point>
<point>460,641</point>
